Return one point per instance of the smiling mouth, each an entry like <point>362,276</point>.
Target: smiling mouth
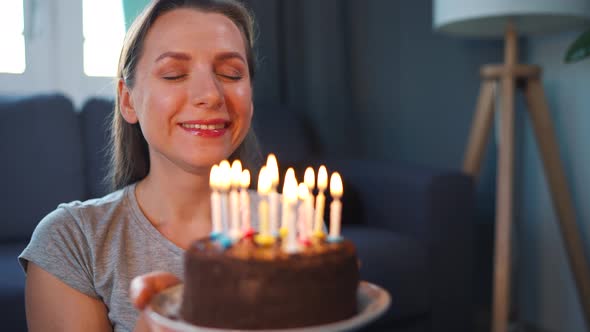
<point>204,126</point>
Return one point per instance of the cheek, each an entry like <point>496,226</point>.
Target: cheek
<point>162,104</point>
<point>241,102</point>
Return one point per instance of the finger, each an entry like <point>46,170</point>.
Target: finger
<point>143,287</point>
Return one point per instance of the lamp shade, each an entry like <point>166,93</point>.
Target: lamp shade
<point>488,18</point>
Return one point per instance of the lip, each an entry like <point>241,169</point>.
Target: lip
<point>211,133</point>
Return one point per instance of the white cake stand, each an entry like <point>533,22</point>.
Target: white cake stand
<point>162,312</point>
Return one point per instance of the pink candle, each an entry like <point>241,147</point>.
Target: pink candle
<point>245,203</point>
<point>235,232</point>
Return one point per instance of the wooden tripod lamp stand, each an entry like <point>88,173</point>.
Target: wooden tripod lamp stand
<point>493,18</point>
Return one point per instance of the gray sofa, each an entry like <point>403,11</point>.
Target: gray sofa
<point>413,226</point>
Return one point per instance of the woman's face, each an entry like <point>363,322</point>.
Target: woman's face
<point>192,95</point>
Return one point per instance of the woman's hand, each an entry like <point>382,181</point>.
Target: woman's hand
<point>144,287</point>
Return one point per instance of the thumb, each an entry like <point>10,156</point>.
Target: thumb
<point>144,287</point>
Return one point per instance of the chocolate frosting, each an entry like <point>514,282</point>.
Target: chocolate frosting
<point>248,286</point>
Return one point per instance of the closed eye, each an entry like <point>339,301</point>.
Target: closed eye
<point>174,77</point>
<point>231,77</point>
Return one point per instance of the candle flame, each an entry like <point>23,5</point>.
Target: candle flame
<point>245,179</point>
<point>322,178</point>
<point>309,178</point>
<point>213,177</point>
<point>290,187</point>
<point>336,185</point>
<point>264,181</point>
<point>224,175</point>
<point>302,191</point>
<point>236,173</point>
<point>273,169</point>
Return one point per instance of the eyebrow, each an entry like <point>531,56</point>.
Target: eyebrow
<point>174,55</point>
<point>186,57</point>
<point>230,55</point>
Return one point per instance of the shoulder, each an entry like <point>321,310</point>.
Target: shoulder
<point>78,217</point>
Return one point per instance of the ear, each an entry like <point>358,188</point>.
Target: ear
<point>126,103</point>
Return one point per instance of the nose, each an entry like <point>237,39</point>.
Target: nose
<point>206,90</point>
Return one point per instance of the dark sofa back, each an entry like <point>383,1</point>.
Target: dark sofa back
<point>95,122</point>
<point>40,145</point>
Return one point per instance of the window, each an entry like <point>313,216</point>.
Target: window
<point>60,46</point>
<point>104,30</point>
<point>12,39</point>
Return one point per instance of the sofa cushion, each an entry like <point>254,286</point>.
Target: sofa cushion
<point>95,117</point>
<point>397,263</point>
<point>12,286</point>
<point>41,161</point>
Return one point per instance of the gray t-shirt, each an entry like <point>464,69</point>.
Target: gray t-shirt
<point>98,246</point>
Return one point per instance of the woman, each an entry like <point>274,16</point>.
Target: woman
<point>184,103</point>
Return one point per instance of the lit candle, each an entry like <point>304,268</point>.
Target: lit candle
<point>272,168</point>
<point>289,179</point>
<point>320,201</point>
<point>335,207</point>
<point>224,185</point>
<point>290,244</point>
<point>245,203</point>
<point>309,180</point>
<point>234,200</point>
<point>215,202</point>
<point>304,230</point>
<point>264,236</point>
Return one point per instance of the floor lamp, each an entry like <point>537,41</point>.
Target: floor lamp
<point>509,19</point>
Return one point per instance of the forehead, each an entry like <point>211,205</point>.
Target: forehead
<point>193,29</point>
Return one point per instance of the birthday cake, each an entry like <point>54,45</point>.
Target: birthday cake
<point>248,286</point>
<point>270,269</point>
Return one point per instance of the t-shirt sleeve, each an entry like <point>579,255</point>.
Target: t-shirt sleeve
<point>59,246</point>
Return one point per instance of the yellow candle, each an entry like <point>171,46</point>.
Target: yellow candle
<point>234,200</point>
<point>336,207</point>
<point>272,168</point>
<point>215,202</point>
<point>320,202</point>
<point>245,203</point>
<point>264,184</point>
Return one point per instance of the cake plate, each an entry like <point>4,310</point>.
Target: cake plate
<point>162,312</point>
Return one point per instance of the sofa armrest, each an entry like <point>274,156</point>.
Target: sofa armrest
<point>434,206</point>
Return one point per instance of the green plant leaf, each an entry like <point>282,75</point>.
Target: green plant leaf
<point>580,49</point>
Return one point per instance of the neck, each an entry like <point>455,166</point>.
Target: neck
<point>174,198</point>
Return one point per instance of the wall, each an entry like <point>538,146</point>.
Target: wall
<point>547,294</point>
